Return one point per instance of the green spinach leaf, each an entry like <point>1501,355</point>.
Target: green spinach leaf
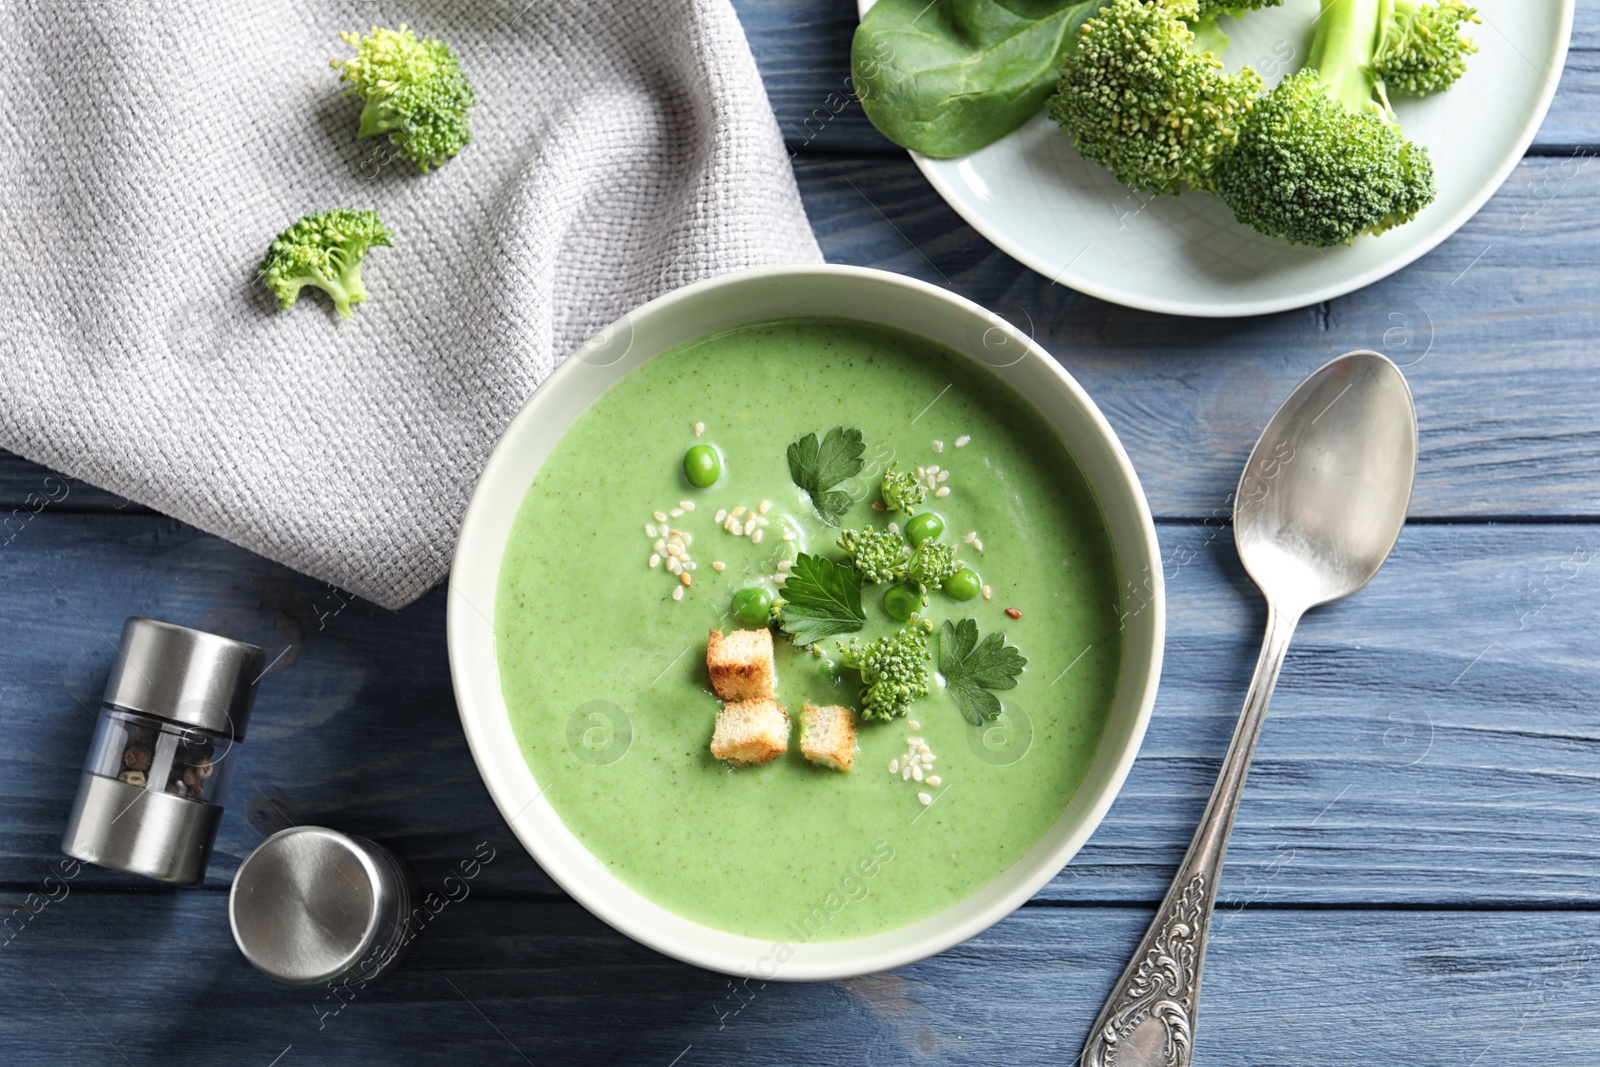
<point>947,78</point>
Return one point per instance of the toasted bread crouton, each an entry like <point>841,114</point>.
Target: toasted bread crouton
<point>741,664</point>
<point>750,731</point>
<point>828,735</point>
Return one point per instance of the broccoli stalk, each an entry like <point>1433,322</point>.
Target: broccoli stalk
<point>1320,159</point>
<point>323,250</point>
<point>414,92</point>
<point>1141,95</point>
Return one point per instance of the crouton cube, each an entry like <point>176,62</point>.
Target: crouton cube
<point>828,735</point>
<point>750,731</point>
<point>741,665</point>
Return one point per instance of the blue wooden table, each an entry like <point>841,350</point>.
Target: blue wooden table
<point>1415,874</point>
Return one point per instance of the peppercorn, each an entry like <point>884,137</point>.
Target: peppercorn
<point>137,757</point>
<point>132,778</point>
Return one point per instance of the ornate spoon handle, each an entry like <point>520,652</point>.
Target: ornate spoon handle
<point>1149,1019</point>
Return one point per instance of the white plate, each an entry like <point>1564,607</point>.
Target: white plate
<point>754,296</point>
<point>1035,197</point>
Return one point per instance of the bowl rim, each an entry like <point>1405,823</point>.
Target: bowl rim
<point>651,924</point>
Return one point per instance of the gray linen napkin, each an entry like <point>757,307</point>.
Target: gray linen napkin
<point>149,152</point>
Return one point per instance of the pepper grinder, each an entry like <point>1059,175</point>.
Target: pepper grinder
<point>175,708</point>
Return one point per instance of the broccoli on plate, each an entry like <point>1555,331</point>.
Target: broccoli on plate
<point>1320,159</point>
<point>1141,95</point>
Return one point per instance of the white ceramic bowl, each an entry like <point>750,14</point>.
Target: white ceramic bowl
<point>845,292</point>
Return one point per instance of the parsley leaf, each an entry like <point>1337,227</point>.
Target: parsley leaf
<point>971,668</point>
<point>821,599</point>
<point>817,467</point>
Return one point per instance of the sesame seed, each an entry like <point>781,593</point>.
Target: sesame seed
<point>928,758</point>
<point>676,513</point>
<point>943,491</point>
<point>785,564</point>
<point>660,516</point>
<point>894,765</point>
<point>655,561</point>
<point>905,772</point>
<point>732,525</point>
<point>660,545</point>
<point>755,538</point>
<point>894,527</point>
<point>971,537</point>
<point>933,469</point>
<point>779,580</point>
<point>686,505</point>
<point>964,440</point>
<point>934,780</point>
<point>916,772</point>
<point>677,592</point>
<point>925,799</point>
<point>764,507</point>
<point>762,522</point>
<point>978,544</point>
<point>1014,613</point>
<point>988,592</point>
<point>674,566</point>
<point>922,472</point>
<point>938,446</point>
<point>877,505</point>
<point>690,566</point>
<point>717,565</point>
<point>914,724</point>
<point>788,535</point>
<point>749,527</point>
<point>649,530</point>
<point>736,512</point>
<point>699,428</point>
<point>944,475</point>
<point>720,515</point>
<point>686,579</point>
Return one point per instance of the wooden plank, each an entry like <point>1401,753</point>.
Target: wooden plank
<point>155,978</point>
<point>803,50</point>
<point>1432,740</point>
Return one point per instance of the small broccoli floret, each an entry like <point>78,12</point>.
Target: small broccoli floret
<point>902,491</point>
<point>1139,95</point>
<point>1420,48</point>
<point>931,564</point>
<point>323,250</point>
<point>1321,160</point>
<point>894,669</point>
<point>880,555</point>
<point>414,92</point>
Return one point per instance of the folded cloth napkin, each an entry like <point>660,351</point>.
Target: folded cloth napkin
<point>151,151</point>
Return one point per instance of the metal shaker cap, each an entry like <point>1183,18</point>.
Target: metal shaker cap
<point>313,905</point>
<point>186,676</point>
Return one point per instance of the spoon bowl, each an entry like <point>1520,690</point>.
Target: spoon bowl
<point>1323,496</point>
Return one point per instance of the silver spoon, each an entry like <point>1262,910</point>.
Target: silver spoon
<point>1319,507</point>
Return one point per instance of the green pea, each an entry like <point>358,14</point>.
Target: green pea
<point>752,605</point>
<point>964,584</point>
<point>924,527</point>
<point>899,601</point>
<point>702,466</point>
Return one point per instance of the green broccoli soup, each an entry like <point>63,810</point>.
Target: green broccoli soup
<point>897,518</point>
